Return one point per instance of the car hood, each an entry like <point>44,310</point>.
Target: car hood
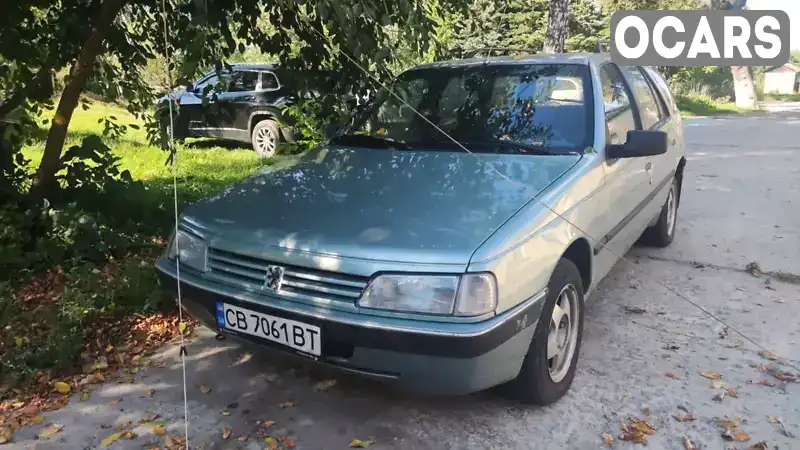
<point>389,205</point>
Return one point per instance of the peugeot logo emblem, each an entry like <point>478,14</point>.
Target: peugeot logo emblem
<point>274,278</point>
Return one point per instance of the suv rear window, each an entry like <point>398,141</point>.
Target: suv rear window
<point>539,105</point>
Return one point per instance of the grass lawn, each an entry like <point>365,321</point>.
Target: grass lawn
<point>700,105</point>
<point>204,166</point>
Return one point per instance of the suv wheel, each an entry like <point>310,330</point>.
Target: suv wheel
<point>663,232</point>
<point>265,137</point>
<point>549,366</point>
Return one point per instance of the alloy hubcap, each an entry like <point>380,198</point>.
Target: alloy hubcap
<point>265,141</point>
<point>562,337</point>
<point>671,210</point>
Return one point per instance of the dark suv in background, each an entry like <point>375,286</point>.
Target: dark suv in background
<point>242,104</point>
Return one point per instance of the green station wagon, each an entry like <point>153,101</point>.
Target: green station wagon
<point>394,253</point>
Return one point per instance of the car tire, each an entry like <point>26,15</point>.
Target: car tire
<point>265,137</point>
<point>663,232</point>
<point>544,380</point>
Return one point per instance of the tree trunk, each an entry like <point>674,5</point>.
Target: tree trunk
<point>557,26</point>
<point>34,86</point>
<point>744,88</point>
<point>51,158</point>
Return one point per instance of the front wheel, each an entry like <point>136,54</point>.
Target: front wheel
<point>663,232</point>
<point>549,366</point>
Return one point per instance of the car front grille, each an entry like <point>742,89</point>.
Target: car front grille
<point>298,282</point>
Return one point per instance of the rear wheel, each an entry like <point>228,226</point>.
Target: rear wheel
<point>265,137</point>
<point>549,366</point>
<point>663,232</point>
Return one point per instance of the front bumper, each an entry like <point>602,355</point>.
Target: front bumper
<point>435,357</point>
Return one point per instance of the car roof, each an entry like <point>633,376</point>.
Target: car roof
<point>255,66</point>
<point>541,58</point>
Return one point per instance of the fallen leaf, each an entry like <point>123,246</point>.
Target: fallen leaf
<point>717,385</point>
<point>685,417</point>
<point>37,420</point>
<point>642,426</point>
<point>719,396</point>
<point>774,419</point>
<point>110,439</point>
<point>633,436</point>
<point>159,430</point>
<point>733,434</point>
<point>106,426</point>
<point>763,383</point>
<point>287,443</point>
<point>148,417</point>
<point>271,442</point>
<point>50,430</point>
<point>242,438</point>
<point>150,393</point>
<point>766,354</point>
<point>784,376</point>
<point>62,388</point>
<point>287,404</point>
<point>225,413</point>
<point>114,402</point>
<point>673,375</point>
<point>358,443</point>
<point>182,327</point>
<point>122,426</point>
<point>759,446</point>
<point>268,424</point>
<point>732,392</point>
<point>711,375</point>
<point>204,389</point>
<point>85,397</point>
<point>635,310</point>
<point>687,444</point>
<point>226,432</point>
<point>608,439</point>
<point>128,435</point>
<point>6,433</point>
<point>324,385</point>
<point>727,424</point>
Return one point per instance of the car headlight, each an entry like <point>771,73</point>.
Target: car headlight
<point>467,295</point>
<point>191,250</point>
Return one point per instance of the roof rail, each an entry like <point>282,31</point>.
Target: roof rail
<point>499,51</point>
<point>602,46</point>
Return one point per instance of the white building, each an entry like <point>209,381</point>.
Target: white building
<point>783,79</point>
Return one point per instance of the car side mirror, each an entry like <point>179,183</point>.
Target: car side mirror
<point>639,143</point>
<point>331,130</point>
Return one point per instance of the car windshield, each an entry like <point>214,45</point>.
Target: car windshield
<point>511,108</point>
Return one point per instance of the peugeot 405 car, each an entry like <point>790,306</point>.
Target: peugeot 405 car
<point>447,237</point>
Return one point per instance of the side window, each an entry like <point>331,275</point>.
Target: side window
<point>663,89</point>
<point>269,81</point>
<point>243,81</point>
<point>212,83</point>
<point>619,114</point>
<point>649,107</point>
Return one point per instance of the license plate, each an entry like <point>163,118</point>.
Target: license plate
<point>297,335</point>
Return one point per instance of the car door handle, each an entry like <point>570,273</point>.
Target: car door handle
<point>672,141</point>
<point>649,166</point>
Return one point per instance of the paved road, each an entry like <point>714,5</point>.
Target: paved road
<point>741,204</point>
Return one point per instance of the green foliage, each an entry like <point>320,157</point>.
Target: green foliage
<point>783,97</point>
<point>694,104</point>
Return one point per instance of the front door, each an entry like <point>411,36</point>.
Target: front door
<point>231,115</point>
<point>627,179</point>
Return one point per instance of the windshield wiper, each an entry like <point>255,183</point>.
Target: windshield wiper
<point>369,141</point>
<point>523,148</point>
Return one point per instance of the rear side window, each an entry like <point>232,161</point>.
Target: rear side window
<point>269,81</point>
<point>617,105</point>
<point>663,89</point>
<point>243,81</point>
<point>649,106</point>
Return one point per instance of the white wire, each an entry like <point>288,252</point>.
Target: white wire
<point>784,361</point>
<point>173,153</point>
